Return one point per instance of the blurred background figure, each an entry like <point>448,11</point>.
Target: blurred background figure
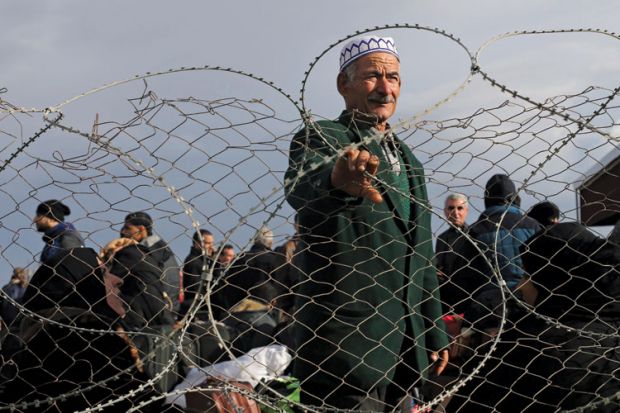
<point>546,213</point>
<point>58,235</point>
<point>448,250</point>
<point>250,292</point>
<point>14,290</point>
<point>227,255</point>
<point>198,261</point>
<point>139,227</point>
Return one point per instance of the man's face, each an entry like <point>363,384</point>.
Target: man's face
<point>375,86</point>
<point>43,223</point>
<point>207,244</point>
<point>456,211</point>
<point>227,255</point>
<point>135,232</point>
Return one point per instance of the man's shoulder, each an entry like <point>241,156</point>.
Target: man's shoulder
<point>508,218</point>
<point>325,127</point>
<point>451,235</point>
<point>446,234</point>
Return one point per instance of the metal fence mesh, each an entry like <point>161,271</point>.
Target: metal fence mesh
<point>321,285</point>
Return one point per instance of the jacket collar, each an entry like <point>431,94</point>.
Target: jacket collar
<point>150,240</point>
<point>57,230</point>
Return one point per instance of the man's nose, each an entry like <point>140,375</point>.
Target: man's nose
<point>382,85</point>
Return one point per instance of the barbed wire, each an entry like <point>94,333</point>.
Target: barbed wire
<point>149,113</point>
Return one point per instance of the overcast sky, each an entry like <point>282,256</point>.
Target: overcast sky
<point>51,51</point>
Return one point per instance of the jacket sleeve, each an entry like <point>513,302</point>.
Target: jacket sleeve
<point>307,181</point>
<point>436,336</point>
<point>432,310</point>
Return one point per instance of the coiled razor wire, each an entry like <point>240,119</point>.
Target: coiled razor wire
<point>209,282</point>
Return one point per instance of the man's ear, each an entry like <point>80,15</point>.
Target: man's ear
<point>342,82</point>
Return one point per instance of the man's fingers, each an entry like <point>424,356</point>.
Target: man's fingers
<point>351,155</point>
<point>371,193</point>
<point>362,161</point>
<point>441,361</point>
<point>373,164</point>
<point>350,174</point>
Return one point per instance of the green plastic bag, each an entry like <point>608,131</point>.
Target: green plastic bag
<point>286,386</point>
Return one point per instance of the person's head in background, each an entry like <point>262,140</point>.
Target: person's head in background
<point>49,214</point>
<point>208,241</point>
<point>138,226</point>
<point>546,213</point>
<point>456,209</point>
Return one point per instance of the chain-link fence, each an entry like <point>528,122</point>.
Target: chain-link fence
<point>196,255</point>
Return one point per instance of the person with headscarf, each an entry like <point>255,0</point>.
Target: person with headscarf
<point>58,235</point>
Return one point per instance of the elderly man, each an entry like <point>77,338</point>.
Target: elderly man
<point>448,251</point>
<point>369,313</point>
<point>455,209</point>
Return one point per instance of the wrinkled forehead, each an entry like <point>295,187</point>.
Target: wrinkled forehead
<point>454,203</point>
<point>377,60</point>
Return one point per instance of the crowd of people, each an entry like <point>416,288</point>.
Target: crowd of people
<point>134,284</point>
<point>377,319</point>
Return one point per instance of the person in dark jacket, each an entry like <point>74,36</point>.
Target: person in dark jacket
<point>250,292</point>
<point>141,288</point>
<point>72,278</point>
<point>570,359</point>
<point>58,235</point>
<point>502,228</point>
<point>251,276</point>
<point>576,275</point>
<point>448,250</point>
<point>198,262</point>
<point>77,350</point>
<point>14,292</point>
<point>494,239</point>
<point>139,227</point>
<point>499,232</point>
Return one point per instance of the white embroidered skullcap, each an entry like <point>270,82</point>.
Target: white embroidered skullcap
<point>361,46</point>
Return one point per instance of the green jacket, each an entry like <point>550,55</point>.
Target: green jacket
<point>366,272</point>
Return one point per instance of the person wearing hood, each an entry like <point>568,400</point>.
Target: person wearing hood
<point>58,235</point>
<point>498,234</point>
<point>502,228</point>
